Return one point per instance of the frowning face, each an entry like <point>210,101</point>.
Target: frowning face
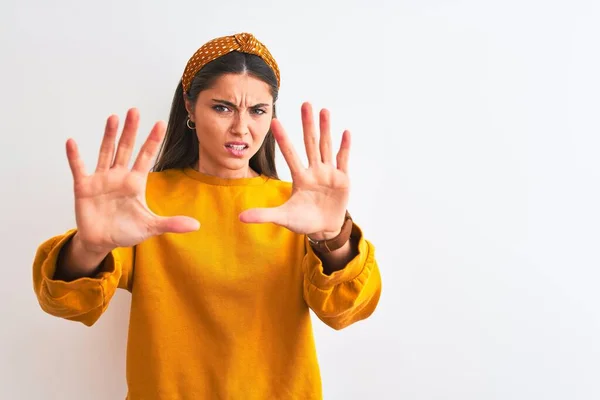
<point>232,118</point>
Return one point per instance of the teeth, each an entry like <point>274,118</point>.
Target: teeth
<point>237,147</point>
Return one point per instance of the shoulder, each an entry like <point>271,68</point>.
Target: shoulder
<point>165,184</point>
<point>278,183</point>
<point>163,179</point>
<point>279,186</point>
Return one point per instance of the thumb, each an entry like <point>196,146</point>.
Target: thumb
<point>178,224</point>
<point>275,215</point>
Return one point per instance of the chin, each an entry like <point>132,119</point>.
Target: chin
<point>236,164</point>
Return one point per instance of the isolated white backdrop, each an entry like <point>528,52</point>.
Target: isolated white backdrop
<point>474,169</point>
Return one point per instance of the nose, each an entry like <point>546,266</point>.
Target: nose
<point>239,126</point>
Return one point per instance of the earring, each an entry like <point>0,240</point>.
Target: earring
<point>190,124</point>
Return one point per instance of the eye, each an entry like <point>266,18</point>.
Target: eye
<point>259,111</point>
<point>220,108</point>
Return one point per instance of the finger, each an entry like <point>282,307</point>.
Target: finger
<point>127,139</point>
<point>107,148</point>
<point>289,153</point>
<point>178,224</point>
<point>75,161</point>
<point>310,141</point>
<point>274,215</point>
<point>344,152</point>
<point>150,148</point>
<point>325,140</point>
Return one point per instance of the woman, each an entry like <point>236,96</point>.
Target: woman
<point>221,310</point>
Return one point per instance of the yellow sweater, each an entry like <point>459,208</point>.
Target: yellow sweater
<point>223,312</point>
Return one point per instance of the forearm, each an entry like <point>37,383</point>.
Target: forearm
<point>351,293</point>
<point>338,259</point>
<point>75,261</point>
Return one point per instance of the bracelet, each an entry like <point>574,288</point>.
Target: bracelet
<point>329,245</point>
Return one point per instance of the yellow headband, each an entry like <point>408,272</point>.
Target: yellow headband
<point>242,42</point>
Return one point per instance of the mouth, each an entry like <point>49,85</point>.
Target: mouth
<point>237,149</point>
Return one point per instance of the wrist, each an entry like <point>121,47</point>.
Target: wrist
<point>327,242</point>
<point>324,235</point>
<point>84,249</point>
<point>75,261</point>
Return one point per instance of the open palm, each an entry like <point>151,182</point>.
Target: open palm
<point>317,205</point>
<point>110,204</point>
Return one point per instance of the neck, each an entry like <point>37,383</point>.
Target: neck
<point>245,172</point>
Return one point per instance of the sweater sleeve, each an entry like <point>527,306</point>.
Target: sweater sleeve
<point>83,299</point>
<point>348,295</point>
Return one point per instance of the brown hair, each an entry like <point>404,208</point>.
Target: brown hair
<point>180,146</point>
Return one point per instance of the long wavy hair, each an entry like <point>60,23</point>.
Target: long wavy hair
<point>180,148</point>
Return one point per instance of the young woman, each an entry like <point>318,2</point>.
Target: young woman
<point>224,261</point>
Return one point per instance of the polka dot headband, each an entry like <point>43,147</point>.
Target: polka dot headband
<point>242,42</point>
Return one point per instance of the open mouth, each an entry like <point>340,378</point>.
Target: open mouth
<point>237,147</point>
<point>237,150</point>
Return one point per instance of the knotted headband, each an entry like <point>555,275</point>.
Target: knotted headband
<point>242,42</point>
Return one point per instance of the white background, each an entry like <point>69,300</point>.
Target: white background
<point>474,169</point>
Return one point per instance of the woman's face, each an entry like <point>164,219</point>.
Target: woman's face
<point>232,119</point>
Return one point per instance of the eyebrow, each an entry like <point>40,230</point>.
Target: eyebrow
<point>230,104</point>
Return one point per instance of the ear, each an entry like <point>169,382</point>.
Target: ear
<point>188,107</point>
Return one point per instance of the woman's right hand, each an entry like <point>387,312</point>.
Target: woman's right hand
<point>110,204</point>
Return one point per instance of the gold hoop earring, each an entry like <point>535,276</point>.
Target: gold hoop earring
<point>189,123</point>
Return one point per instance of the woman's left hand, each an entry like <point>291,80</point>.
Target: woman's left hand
<point>317,206</point>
